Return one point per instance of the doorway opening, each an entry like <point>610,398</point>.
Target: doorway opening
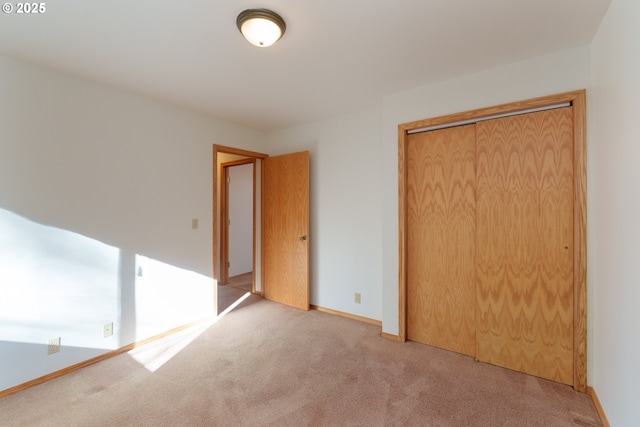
<point>233,284</point>
<point>236,219</point>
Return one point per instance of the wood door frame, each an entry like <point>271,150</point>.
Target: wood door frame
<point>216,223</point>
<point>578,101</point>
<point>224,215</point>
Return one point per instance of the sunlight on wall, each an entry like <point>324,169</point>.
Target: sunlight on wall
<point>58,283</point>
<point>55,283</point>
<point>167,296</point>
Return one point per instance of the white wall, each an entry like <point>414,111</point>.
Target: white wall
<point>97,191</point>
<point>240,195</point>
<point>345,209</point>
<point>614,213</point>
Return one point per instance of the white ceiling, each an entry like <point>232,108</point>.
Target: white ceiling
<point>337,56</point>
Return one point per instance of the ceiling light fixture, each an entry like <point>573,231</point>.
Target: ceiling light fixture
<point>261,27</point>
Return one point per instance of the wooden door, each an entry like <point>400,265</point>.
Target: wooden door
<point>441,221</point>
<point>285,228</point>
<point>524,316</point>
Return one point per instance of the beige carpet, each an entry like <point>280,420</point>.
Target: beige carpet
<point>236,287</point>
<point>265,364</point>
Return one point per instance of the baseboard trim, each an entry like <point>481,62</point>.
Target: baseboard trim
<point>390,336</point>
<point>241,276</point>
<point>105,356</point>
<point>591,392</point>
<point>347,315</point>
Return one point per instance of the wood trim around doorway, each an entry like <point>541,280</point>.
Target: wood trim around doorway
<point>216,221</point>
<point>578,101</point>
<point>224,215</point>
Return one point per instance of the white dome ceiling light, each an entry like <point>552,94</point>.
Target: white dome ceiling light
<point>261,27</point>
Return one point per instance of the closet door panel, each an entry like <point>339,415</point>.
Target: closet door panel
<point>524,291</point>
<point>441,243</point>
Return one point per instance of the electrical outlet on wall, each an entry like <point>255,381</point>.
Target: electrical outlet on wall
<point>107,329</point>
<point>53,346</point>
<point>357,298</point>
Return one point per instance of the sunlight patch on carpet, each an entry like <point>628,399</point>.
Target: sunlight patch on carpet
<point>155,354</point>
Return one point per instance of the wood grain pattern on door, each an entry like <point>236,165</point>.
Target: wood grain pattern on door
<point>524,195</point>
<point>441,266</point>
<point>285,227</point>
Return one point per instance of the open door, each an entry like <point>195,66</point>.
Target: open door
<point>285,229</point>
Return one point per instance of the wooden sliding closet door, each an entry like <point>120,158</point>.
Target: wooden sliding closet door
<point>441,263</point>
<point>525,187</point>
